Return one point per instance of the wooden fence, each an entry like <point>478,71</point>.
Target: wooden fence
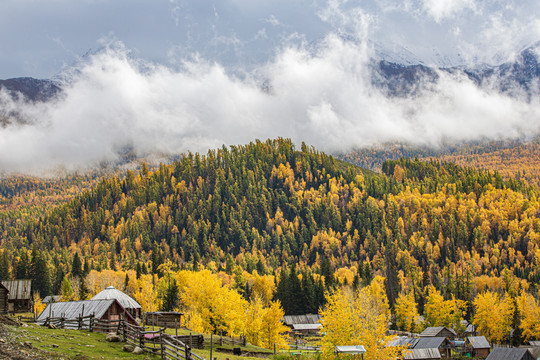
<point>169,347</point>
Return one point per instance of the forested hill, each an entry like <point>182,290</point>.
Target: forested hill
<point>267,205</point>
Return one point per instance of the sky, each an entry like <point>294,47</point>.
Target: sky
<point>165,77</point>
<point>40,38</point>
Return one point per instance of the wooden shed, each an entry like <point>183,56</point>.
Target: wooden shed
<point>107,309</point>
<point>510,354</point>
<point>4,296</point>
<point>20,295</point>
<point>166,319</point>
<point>478,346</point>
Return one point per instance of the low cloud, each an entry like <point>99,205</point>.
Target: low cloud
<point>320,94</point>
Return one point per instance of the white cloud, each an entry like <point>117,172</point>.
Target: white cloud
<point>443,9</point>
<point>320,95</point>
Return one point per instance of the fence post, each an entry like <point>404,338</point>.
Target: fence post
<point>188,352</point>
<point>274,348</point>
<point>211,345</point>
<point>161,343</point>
<point>244,340</point>
<point>221,338</point>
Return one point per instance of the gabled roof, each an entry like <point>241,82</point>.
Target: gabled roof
<point>301,319</point>
<point>112,293</point>
<point>18,289</point>
<point>431,342</point>
<point>478,342</point>
<point>405,341</point>
<point>509,354</point>
<point>73,309</point>
<point>421,354</point>
<point>534,342</point>
<point>434,331</point>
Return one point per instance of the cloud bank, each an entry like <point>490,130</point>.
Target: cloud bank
<point>321,94</point>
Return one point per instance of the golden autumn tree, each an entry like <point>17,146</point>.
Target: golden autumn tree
<point>39,306</point>
<point>146,293</point>
<point>440,312</point>
<point>357,318</point>
<point>493,315</point>
<point>264,286</point>
<point>263,324</point>
<point>212,306</point>
<point>529,312</point>
<point>407,314</point>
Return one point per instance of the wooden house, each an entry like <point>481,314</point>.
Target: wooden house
<point>441,343</point>
<point>107,309</point>
<point>127,302</point>
<point>510,354</point>
<point>4,296</point>
<point>478,346</point>
<point>303,324</point>
<point>20,295</point>
<point>439,331</point>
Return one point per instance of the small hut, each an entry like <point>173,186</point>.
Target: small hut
<point>478,346</point>
<point>106,309</point>
<point>4,296</point>
<point>125,300</point>
<point>20,295</point>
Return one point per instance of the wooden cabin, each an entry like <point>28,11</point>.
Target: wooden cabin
<point>478,346</point>
<point>4,296</point>
<point>107,309</point>
<point>441,343</point>
<point>20,295</point>
<point>127,302</point>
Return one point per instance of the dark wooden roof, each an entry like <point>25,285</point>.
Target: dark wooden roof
<point>301,319</point>
<point>510,354</point>
<point>18,289</point>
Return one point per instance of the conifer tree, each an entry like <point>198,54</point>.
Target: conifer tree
<point>76,266</point>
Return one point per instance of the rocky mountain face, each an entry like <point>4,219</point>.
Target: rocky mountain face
<point>519,77</point>
<point>31,89</point>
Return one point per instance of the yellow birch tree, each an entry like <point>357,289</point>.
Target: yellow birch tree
<point>493,315</point>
